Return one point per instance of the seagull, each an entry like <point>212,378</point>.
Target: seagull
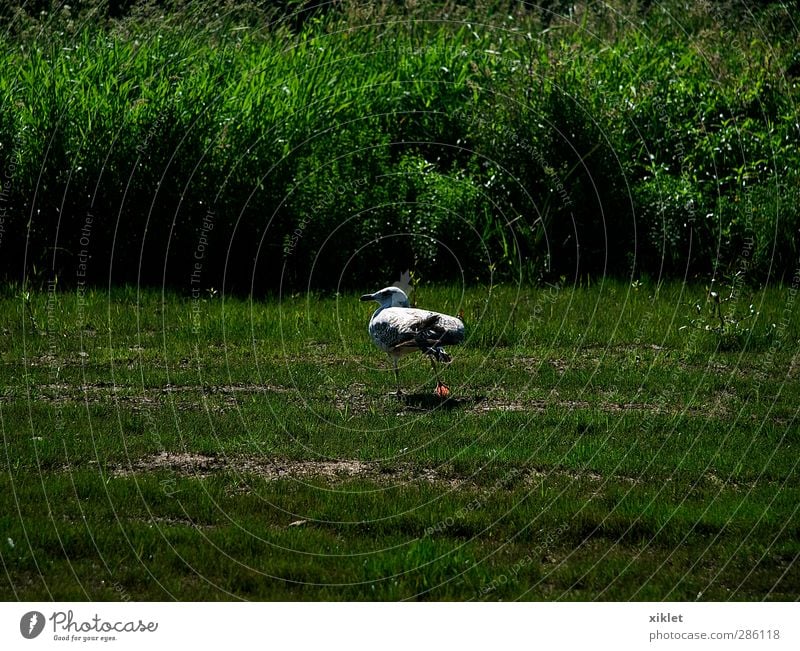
<point>398,329</point>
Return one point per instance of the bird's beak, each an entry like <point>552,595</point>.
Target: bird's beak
<point>368,297</point>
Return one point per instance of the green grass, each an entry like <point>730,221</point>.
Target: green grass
<point>592,449</point>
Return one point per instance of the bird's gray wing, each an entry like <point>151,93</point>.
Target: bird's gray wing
<point>399,328</point>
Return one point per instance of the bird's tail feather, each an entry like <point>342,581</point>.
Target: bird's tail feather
<point>438,353</point>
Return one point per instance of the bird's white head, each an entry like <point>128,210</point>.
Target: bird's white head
<point>388,297</point>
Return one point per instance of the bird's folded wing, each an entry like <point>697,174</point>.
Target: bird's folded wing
<point>408,327</point>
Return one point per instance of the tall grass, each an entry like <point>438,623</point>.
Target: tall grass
<point>338,146</point>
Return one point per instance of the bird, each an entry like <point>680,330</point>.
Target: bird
<point>398,329</point>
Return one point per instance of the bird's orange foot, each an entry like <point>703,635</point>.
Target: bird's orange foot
<point>441,390</point>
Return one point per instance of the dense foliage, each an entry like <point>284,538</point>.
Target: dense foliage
<point>251,148</point>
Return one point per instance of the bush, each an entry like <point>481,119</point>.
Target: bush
<point>365,139</point>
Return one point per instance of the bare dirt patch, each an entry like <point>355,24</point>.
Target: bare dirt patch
<point>214,397</point>
<point>352,400</point>
<point>202,465</point>
<point>540,405</point>
<point>536,475</point>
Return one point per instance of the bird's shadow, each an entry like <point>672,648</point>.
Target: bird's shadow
<point>428,402</point>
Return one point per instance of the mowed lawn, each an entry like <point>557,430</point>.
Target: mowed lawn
<point>599,443</point>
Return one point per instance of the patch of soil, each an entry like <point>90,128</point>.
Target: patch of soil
<point>352,400</point>
<point>540,405</point>
<point>202,465</point>
<point>536,475</point>
<point>214,397</point>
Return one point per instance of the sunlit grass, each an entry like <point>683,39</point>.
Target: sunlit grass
<point>592,449</point>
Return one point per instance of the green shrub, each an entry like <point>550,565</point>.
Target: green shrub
<point>358,140</point>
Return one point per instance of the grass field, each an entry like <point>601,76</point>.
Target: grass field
<point>159,447</point>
